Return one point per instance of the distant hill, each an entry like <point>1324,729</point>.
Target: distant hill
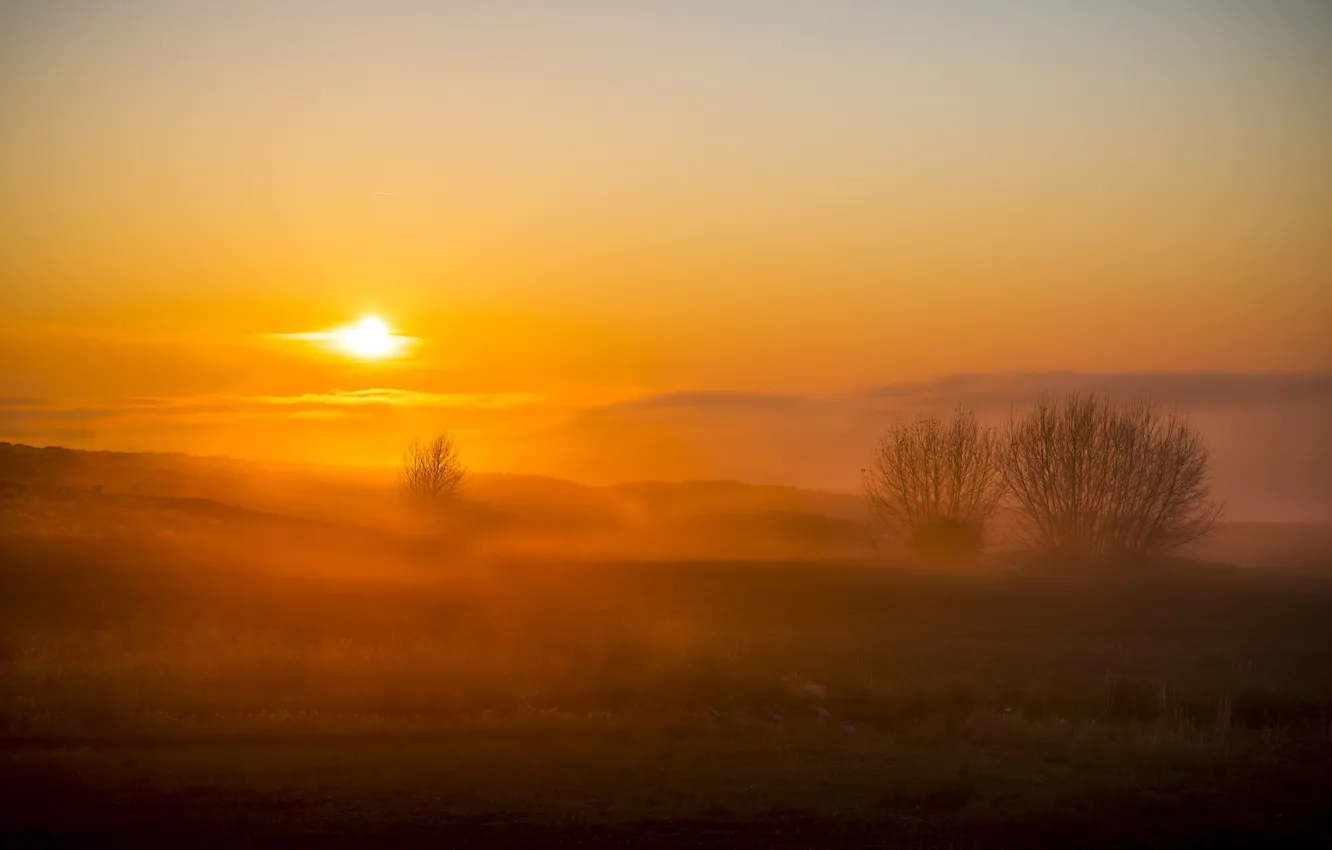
<point>73,489</point>
<point>295,489</point>
<point>311,489</point>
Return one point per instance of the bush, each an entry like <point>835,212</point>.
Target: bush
<point>1089,477</point>
<point>947,538</point>
<point>937,484</point>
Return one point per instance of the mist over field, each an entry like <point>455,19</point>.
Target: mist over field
<point>757,663</point>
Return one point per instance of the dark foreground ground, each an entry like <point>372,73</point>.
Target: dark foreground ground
<point>393,790</point>
<point>164,696</point>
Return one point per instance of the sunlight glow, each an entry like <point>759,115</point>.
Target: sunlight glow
<point>370,339</point>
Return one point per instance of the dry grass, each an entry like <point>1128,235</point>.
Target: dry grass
<point>622,691</point>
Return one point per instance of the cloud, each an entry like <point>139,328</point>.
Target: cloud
<point>401,343</point>
<point>720,401</point>
<point>13,415</point>
<point>29,415</point>
<point>413,398</point>
<point>1190,390</point>
<point>304,336</point>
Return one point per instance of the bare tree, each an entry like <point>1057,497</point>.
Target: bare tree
<point>1095,478</point>
<point>431,470</point>
<point>936,483</point>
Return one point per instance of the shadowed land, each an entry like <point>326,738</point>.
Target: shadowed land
<point>176,668</point>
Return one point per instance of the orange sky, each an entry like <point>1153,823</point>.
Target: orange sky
<point>575,205</point>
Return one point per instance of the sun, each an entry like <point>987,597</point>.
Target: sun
<point>369,339</point>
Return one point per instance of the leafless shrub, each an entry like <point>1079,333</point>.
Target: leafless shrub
<point>1094,478</point>
<point>936,483</point>
<point>431,470</point>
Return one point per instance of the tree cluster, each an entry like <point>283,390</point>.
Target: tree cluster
<point>1082,475</point>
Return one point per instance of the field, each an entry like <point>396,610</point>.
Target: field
<point>176,671</point>
<point>726,702</point>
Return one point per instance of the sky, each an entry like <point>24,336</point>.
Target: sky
<point>576,209</point>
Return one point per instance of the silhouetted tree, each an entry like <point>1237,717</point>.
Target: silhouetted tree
<point>1094,478</point>
<point>431,470</point>
<point>937,484</point>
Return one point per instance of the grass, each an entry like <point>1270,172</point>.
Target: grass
<point>406,688</point>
